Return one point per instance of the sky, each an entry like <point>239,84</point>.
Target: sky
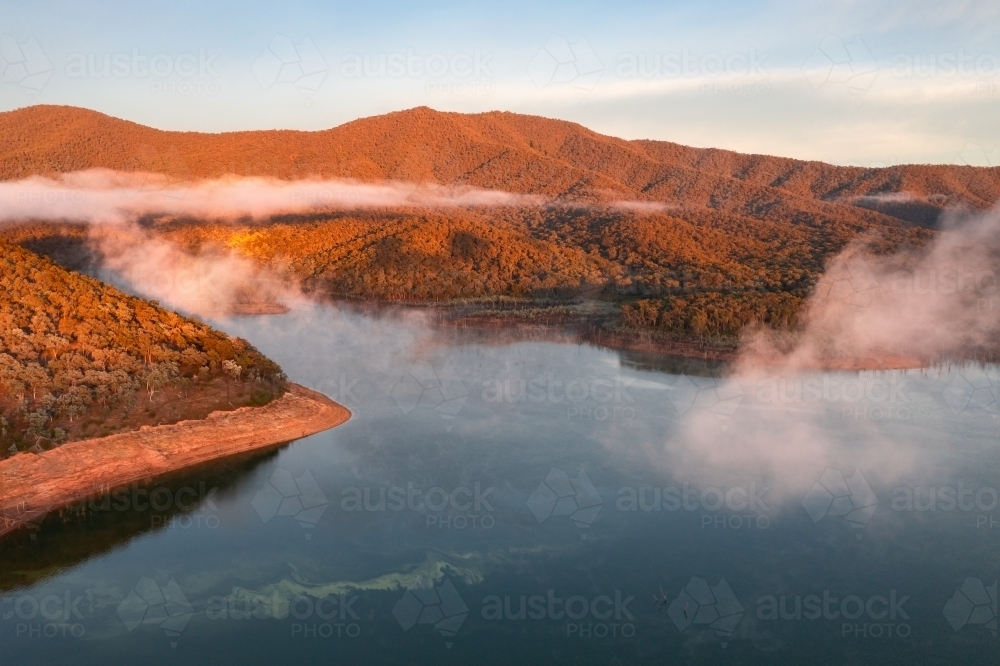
<point>869,83</point>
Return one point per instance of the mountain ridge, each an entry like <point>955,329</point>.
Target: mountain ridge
<point>494,150</point>
<point>720,240</point>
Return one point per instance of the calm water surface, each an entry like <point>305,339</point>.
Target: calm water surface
<point>528,501</point>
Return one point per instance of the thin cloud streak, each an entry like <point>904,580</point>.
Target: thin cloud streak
<point>103,196</point>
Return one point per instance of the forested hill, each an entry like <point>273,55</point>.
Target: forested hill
<point>719,241</point>
<point>79,358</point>
<point>499,150</point>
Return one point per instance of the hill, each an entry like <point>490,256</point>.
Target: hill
<point>80,359</point>
<point>717,241</point>
<point>495,150</point>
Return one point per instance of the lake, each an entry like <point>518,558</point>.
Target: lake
<point>502,499</point>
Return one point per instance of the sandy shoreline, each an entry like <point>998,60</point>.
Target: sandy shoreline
<point>33,485</point>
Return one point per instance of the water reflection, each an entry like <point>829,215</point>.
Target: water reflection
<point>498,499</point>
<point>101,524</point>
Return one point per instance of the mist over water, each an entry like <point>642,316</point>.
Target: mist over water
<point>654,503</point>
<point>217,279</point>
<point>755,418</point>
<point>532,466</point>
<point>907,309</point>
<point>923,305</point>
<point>711,428</point>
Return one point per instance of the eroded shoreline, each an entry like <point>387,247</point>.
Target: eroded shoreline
<point>33,485</point>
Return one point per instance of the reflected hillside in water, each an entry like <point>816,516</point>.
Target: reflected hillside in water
<point>103,524</point>
<point>506,464</point>
<point>452,326</point>
<point>673,365</point>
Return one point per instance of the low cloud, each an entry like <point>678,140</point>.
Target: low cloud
<point>213,282</point>
<point>805,399</point>
<point>646,207</point>
<point>905,309</point>
<point>216,280</point>
<point>102,196</point>
<point>884,197</point>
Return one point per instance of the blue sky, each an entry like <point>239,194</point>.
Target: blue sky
<point>867,83</point>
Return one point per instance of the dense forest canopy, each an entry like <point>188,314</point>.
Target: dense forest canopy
<point>704,276</point>
<point>697,277</point>
<point>75,352</point>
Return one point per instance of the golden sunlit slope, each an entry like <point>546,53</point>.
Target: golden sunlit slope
<point>77,354</point>
<point>497,150</point>
<point>724,239</point>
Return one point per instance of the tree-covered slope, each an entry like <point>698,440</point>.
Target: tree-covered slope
<point>80,358</point>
